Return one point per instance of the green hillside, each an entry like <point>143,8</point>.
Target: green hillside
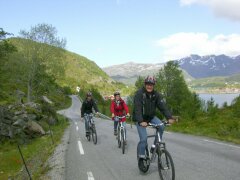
<point>83,72</point>
<point>78,71</point>
<point>217,83</point>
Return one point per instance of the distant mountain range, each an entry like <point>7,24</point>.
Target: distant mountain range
<point>209,66</point>
<point>193,66</point>
<point>128,73</point>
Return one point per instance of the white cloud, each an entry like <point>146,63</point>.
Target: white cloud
<point>183,44</point>
<point>222,8</point>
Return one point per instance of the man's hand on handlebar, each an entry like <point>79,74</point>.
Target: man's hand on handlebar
<point>171,121</point>
<point>97,114</point>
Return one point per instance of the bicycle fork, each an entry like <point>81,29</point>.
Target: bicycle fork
<point>120,133</point>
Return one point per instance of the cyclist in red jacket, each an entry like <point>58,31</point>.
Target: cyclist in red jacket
<point>118,108</point>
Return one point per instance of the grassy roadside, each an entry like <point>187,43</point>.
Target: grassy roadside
<point>223,127</point>
<point>35,153</point>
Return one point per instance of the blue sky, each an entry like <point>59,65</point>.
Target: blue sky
<point>145,31</point>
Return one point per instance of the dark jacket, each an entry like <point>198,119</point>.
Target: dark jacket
<point>145,104</point>
<point>87,107</point>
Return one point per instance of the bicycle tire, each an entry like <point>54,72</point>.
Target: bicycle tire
<point>94,134</point>
<point>89,135</point>
<point>165,165</point>
<point>118,138</point>
<point>144,161</point>
<point>123,141</point>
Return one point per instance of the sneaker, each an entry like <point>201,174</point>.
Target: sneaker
<point>87,134</point>
<point>115,132</point>
<point>142,156</point>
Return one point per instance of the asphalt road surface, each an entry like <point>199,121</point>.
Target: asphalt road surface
<point>195,158</point>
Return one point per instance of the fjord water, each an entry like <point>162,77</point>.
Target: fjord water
<point>219,98</point>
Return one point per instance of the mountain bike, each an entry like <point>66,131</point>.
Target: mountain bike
<point>165,162</point>
<point>92,128</point>
<point>121,133</point>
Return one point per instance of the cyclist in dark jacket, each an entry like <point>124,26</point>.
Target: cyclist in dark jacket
<point>87,108</point>
<point>146,101</point>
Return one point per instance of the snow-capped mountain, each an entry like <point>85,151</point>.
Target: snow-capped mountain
<point>193,66</point>
<point>209,66</point>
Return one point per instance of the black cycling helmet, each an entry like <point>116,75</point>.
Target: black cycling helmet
<point>150,80</point>
<point>89,94</point>
<point>117,93</point>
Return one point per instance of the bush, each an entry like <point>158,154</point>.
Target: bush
<point>67,90</point>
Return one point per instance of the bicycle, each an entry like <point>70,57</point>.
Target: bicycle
<point>92,128</point>
<point>165,162</point>
<point>121,133</point>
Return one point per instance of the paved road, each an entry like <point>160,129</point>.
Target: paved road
<point>195,158</point>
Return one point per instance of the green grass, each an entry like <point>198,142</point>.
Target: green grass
<point>223,126</point>
<point>38,151</point>
<point>79,70</point>
<point>216,82</point>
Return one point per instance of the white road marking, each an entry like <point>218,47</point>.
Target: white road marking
<point>77,128</point>
<point>90,175</point>
<point>167,132</point>
<point>80,147</point>
<point>219,143</point>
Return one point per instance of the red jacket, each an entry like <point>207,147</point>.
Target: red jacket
<point>119,108</point>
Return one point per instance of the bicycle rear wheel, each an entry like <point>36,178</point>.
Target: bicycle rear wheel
<point>123,140</point>
<point>94,134</point>
<point>165,165</point>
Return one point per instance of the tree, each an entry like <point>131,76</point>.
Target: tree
<point>236,107</point>
<point>5,46</point>
<point>171,83</point>
<point>139,82</point>
<point>44,33</point>
<point>44,55</point>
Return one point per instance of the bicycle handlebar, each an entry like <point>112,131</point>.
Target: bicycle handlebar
<point>164,123</point>
<point>121,117</point>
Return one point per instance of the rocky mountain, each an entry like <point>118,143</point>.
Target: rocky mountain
<point>193,66</point>
<point>132,69</point>
<point>209,66</point>
<point>128,73</point>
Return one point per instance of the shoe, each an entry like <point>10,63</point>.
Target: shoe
<point>87,134</point>
<point>115,132</point>
<point>142,156</point>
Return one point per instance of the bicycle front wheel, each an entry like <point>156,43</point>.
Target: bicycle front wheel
<point>119,138</point>
<point>94,134</point>
<point>165,165</point>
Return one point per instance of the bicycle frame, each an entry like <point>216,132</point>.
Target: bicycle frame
<point>157,142</point>
<point>120,127</point>
<point>89,117</point>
